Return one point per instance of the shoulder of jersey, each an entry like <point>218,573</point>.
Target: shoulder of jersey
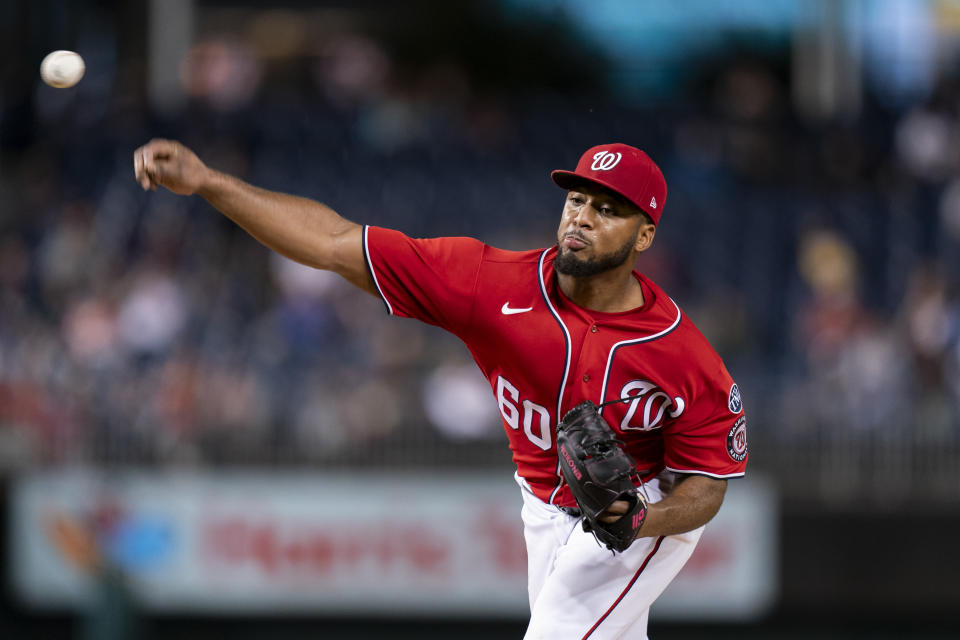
<point>493,254</point>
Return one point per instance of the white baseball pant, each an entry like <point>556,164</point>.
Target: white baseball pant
<point>579,589</point>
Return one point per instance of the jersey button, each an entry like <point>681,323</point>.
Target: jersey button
<point>586,377</point>
<point>593,329</point>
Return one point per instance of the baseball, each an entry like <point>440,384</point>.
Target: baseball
<point>62,69</point>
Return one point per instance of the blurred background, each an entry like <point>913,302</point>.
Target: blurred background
<point>201,439</point>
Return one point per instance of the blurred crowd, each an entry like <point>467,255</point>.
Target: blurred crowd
<point>822,259</point>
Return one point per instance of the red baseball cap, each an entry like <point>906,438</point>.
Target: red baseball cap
<point>623,169</point>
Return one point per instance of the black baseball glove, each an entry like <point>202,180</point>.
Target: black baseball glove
<point>599,472</point>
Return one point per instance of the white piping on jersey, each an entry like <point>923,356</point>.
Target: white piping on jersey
<point>613,349</point>
<point>373,274</point>
<point>524,485</point>
<point>697,472</point>
<point>566,366</point>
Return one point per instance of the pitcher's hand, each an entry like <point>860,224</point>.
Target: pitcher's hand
<point>167,163</point>
<point>615,511</point>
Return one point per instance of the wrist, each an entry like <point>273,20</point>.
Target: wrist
<point>649,527</point>
<point>209,183</point>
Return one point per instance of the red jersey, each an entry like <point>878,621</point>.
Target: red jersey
<point>543,355</point>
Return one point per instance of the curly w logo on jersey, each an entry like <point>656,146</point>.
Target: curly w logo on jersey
<point>649,405</point>
<point>737,440</point>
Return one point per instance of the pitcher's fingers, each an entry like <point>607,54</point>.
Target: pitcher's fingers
<point>161,167</point>
<point>149,154</point>
<point>618,507</point>
<point>158,148</point>
<point>139,171</point>
<point>150,170</point>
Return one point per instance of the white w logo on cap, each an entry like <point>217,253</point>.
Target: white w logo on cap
<point>605,160</point>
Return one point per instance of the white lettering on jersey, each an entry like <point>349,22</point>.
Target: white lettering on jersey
<point>656,403</point>
<point>507,399</point>
<point>605,160</point>
<point>508,409</point>
<point>545,439</point>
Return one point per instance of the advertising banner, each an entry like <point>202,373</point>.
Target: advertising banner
<point>391,544</point>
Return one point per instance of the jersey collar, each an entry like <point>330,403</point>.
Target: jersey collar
<point>657,313</point>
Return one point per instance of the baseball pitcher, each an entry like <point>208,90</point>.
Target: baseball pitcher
<point>623,422</point>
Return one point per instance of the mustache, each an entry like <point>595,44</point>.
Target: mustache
<point>577,235</point>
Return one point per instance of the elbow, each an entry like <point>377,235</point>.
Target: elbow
<point>713,499</point>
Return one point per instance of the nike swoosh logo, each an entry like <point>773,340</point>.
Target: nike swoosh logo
<point>508,311</point>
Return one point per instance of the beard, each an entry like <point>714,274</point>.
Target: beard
<point>568,264</point>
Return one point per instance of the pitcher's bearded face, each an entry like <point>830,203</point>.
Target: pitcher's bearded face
<point>599,231</point>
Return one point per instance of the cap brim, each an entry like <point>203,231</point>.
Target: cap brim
<point>570,180</point>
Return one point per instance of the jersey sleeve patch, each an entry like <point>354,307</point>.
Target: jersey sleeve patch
<point>734,403</point>
<point>737,439</point>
